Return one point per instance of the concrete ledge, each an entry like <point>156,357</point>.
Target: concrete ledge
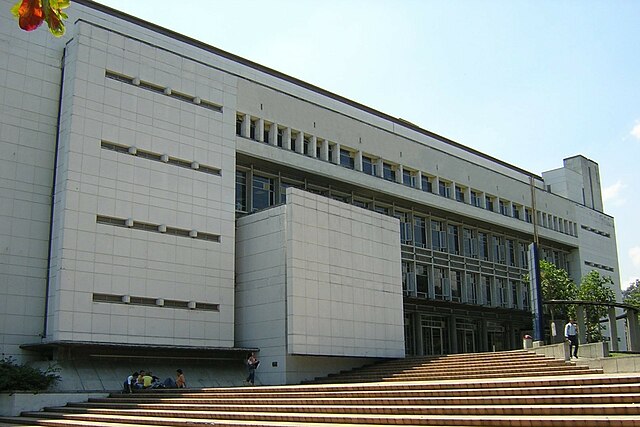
<point>13,404</point>
<point>597,350</point>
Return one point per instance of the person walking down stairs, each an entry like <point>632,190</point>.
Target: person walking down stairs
<point>571,334</point>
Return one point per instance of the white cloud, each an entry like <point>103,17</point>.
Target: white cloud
<point>634,254</point>
<point>612,193</point>
<point>635,132</point>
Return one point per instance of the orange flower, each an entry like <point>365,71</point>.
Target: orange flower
<point>31,13</point>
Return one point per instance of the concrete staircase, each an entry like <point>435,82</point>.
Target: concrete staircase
<point>548,394</point>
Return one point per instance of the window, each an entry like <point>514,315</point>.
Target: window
<point>381,209</point>
<point>444,189</point>
<point>511,253</point>
<point>487,289</point>
<point>441,284</point>
<point>475,199</point>
<point>527,215</point>
<point>239,120</point>
<point>408,178</point>
<point>419,236</point>
<point>483,246</point>
<point>422,281</point>
<point>283,190</point>
<point>469,243</point>
<point>368,166</point>
<point>516,211</point>
<point>524,255</point>
<point>525,297</point>
<point>305,144</point>
<point>498,249</point>
<point>459,194</point>
<point>266,133</point>
<point>405,227</point>
<point>408,280</point>
<point>427,184</point>
<point>388,172</point>
<point>454,239</point>
<point>455,279</point>
<point>438,236</point>
<point>472,288</point>
<point>252,129</point>
<point>489,205</point>
<point>280,137</point>
<point>346,159</point>
<point>504,208</point>
<point>501,292</point>
<point>241,191</point>
<point>262,192</point>
<point>514,294</point>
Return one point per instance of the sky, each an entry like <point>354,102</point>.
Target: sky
<point>528,82</point>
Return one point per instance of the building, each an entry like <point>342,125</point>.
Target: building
<point>161,194</point>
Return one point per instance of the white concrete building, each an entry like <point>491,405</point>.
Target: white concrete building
<point>158,194</point>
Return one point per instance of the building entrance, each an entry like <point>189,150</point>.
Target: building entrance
<point>434,338</point>
<point>466,335</point>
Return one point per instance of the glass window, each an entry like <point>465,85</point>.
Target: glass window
<point>426,184</point>
<point>459,194</point>
<point>504,208</point>
<point>511,253</point>
<point>405,227</point>
<point>239,120</point>
<point>407,178</point>
<point>487,290</point>
<point>262,192</point>
<point>438,236</point>
<point>252,130</point>
<point>483,246</point>
<point>441,284</point>
<point>444,189</point>
<point>455,279</point>
<point>472,288</point>
<point>527,215</point>
<point>475,199</point>
<point>419,230</point>
<point>266,133</point>
<point>241,191</point>
<point>453,232</point>
<point>280,137</point>
<point>388,172</point>
<point>368,165</point>
<point>408,280</point>
<point>346,159</point>
<point>381,209</point>
<point>422,281</point>
<point>489,203</point>
<point>470,244</point>
<point>498,249</point>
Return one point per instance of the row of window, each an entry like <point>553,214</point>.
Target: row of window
<point>438,283</point>
<point>257,129</point>
<point>259,191</point>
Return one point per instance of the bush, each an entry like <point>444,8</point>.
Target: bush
<point>14,377</point>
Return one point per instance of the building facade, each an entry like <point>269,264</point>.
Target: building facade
<point>157,192</point>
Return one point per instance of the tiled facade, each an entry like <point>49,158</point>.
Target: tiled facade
<point>139,169</point>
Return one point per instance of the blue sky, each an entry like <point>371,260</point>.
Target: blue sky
<point>529,82</point>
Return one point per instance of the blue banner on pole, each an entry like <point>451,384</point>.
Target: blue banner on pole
<point>536,292</point>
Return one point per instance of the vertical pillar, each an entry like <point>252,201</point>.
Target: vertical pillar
<point>613,329</point>
<point>633,329</point>
<point>300,142</point>
<point>417,330</point>
<point>582,329</point>
<point>379,168</point>
<point>260,130</point>
<point>419,180</point>
<point>399,174</point>
<point>313,143</point>
<point>273,134</point>
<point>453,338</point>
<point>286,138</point>
<point>358,161</point>
<point>324,150</point>
<point>246,126</point>
<point>335,153</point>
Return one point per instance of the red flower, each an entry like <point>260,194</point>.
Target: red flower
<point>29,13</point>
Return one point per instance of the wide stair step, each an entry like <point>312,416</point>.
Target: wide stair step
<point>520,397</point>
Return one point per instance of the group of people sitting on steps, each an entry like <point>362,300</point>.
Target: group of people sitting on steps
<point>146,380</point>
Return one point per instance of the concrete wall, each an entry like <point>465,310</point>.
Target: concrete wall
<point>317,277</point>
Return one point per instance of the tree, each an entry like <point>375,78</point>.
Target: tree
<point>596,288</point>
<point>556,285</point>
<point>631,295</point>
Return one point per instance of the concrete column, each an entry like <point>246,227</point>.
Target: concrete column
<point>419,180</point>
<point>613,329</point>
<point>358,161</point>
<point>324,150</point>
<point>273,134</point>
<point>299,143</point>
<point>582,329</point>
<point>417,330</point>
<point>335,157</point>
<point>379,168</point>
<point>260,130</point>
<point>246,126</point>
<point>313,143</point>
<point>633,329</point>
<point>286,138</point>
<point>399,174</point>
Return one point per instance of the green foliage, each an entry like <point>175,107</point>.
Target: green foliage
<point>14,377</point>
<point>556,285</point>
<point>595,288</point>
<point>631,295</point>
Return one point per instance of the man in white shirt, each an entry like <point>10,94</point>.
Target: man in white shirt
<point>571,334</point>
